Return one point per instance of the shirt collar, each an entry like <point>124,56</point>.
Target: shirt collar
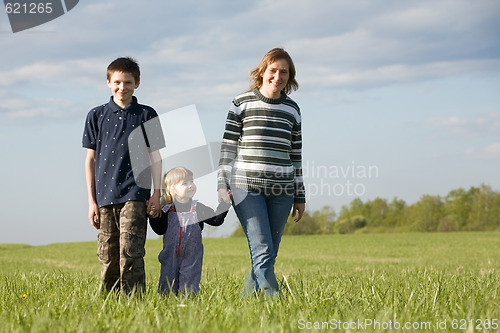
<point>183,207</point>
<point>268,100</point>
<point>132,107</point>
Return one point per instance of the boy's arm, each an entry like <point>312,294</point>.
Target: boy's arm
<point>90,180</point>
<point>154,201</point>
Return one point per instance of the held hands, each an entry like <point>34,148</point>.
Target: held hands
<point>153,205</point>
<point>224,195</point>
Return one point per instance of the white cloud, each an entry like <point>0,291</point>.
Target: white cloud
<point>48,108</point>
<point>450,122</point>
<point>489,152</point>
<point>494,148</point>
<point>207,51</point>
<point>325,76</point>
<point>36,73</point>
<point>469,150</point>
<point>480,124</point>
<point>439,17</point>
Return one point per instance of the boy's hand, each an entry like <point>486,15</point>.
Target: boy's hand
<point>94,216</point>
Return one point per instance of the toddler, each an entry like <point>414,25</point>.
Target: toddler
<point>181,223</point>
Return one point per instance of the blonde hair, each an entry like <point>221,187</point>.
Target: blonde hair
<point>172,178</point>
<point>271,57</point>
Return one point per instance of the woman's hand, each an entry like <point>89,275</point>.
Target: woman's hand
<point>298,210</point>
<point>224,195</point>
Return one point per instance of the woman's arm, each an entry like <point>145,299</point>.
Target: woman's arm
<point>229,147</point>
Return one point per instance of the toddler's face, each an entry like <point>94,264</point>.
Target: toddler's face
<point>184,190</point>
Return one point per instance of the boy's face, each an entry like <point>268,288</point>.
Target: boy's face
<point>122,87</point>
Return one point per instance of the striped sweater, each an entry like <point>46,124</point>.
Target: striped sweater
<point>262,146</point>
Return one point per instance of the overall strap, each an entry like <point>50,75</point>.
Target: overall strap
<point>193,205</point>
<point>168,208</point>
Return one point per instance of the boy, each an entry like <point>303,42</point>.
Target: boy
<point>118,195</point>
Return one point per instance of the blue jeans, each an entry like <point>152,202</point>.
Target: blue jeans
<point>263,219</point>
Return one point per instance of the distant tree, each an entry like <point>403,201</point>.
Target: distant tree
<point>376,212</point>
<point>320,222</point>
<point>456,207</point>
<point>356,207</point>
<point>495,211</point>
<point>396,214</point>
<point>306,226</point>
<point>481,209</point>
<point>324,220</point>
<point>350,225</point>
<point>426,214</point>
<point>475,209</point>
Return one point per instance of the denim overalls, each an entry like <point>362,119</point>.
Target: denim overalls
<point>182,255</point>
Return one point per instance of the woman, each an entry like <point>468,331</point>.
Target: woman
<point>260,167</point>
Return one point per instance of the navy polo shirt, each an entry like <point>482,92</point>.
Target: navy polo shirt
<point>122,139</point>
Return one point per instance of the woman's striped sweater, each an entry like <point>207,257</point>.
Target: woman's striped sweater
<point>262,146</point>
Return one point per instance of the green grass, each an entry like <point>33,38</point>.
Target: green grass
<point>326,282</point>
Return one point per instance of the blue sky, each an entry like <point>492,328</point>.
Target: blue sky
<point>406,89</point>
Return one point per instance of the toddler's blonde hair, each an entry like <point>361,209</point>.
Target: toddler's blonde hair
<point>171,178</point>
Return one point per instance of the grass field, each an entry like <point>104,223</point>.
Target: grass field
<point>357,283</point>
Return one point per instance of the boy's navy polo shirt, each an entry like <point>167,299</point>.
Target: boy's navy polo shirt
<point>108,130</point>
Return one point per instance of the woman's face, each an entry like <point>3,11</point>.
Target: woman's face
<point>275,78</point>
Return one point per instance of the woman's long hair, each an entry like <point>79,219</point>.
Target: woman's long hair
<point>271,57</point>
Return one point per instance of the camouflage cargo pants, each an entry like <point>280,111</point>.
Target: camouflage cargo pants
<point>120,250</point>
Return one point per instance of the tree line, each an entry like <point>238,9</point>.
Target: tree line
<point>475,209</point>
